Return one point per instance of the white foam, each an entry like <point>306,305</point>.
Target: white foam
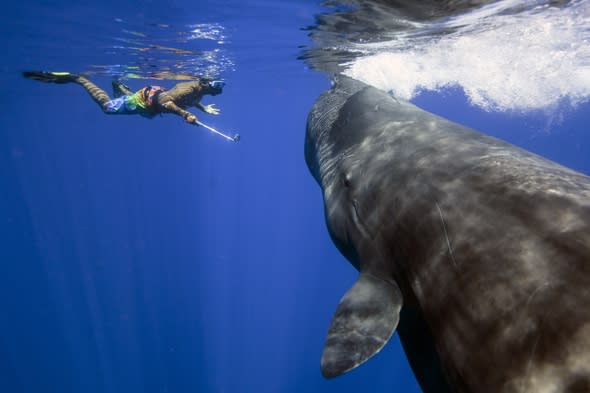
<point>528,61</point>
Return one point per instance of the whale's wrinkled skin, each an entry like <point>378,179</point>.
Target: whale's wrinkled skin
<point>478,249</point>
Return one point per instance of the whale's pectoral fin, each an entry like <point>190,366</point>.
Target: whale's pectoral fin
<point>364,321</point>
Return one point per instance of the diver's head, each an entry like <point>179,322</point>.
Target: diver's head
<point>212,86</point>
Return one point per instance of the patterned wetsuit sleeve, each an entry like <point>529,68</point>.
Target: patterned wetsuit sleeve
<point>166,102</point>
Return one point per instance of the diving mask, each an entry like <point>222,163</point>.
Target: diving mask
<point>216,84</point>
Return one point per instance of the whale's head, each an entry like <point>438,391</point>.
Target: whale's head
<point>322,143</point>
<point>326,157</point>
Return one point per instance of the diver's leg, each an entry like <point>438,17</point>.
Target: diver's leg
<point>97,94</point>
<point>120,89</point>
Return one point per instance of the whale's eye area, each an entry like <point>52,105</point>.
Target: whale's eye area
<point>346,181</point>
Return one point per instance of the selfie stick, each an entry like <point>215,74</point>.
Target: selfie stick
<point>235,138</point>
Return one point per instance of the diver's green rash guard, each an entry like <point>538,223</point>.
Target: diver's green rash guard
<point>137,100</point>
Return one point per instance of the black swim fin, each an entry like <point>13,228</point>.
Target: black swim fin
<point>50,77</point>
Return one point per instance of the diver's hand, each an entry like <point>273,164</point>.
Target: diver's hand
<point>211,109</point>
<point>190,119</point>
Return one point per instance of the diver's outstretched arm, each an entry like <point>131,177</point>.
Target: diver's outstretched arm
<point>210,109</point>
<point>167,105</point>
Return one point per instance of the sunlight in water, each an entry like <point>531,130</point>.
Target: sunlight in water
<point>164,51</point>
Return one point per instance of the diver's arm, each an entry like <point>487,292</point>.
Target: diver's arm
<point>211,109</point>
<point>170,107</point>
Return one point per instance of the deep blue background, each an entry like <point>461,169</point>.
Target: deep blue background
<point>150,256</point>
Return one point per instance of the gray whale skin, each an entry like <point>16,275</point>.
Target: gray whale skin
<point>477,252</point>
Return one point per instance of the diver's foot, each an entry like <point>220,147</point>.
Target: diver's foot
<point>51,77</point>
<point>119,88</point>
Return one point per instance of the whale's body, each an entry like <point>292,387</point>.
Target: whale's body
<point>479,249</point>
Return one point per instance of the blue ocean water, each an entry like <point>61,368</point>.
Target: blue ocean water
<point>151,256</point>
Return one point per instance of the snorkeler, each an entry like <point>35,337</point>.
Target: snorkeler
<point>148,101</point>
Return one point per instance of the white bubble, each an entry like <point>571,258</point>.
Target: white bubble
<point>529,60</point>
